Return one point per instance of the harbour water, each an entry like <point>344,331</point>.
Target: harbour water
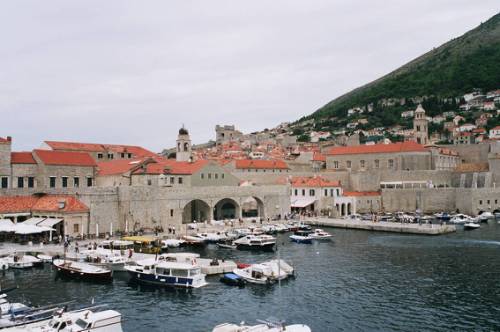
<point>360,281</point>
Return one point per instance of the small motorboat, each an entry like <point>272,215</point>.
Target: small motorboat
<point>255,242</point>
<point>281,228</point>
<point>269,325</point>
<point>243,231</point>
<point>211,237</point>
<point>232,279</point>
<point>172,243</point>
<point>471,225</point>
<point>442,216</point>
<point>45,258</point>
<point>483,217</point>
<point>256,274</point>
<point>461,219</point>
<point>194,240</point>
<point>320,235</point>
<point>4,265</point>
<point>113,261</point>
<point>22,261</point>
<point>226,245</point>
<point>270,229</point>
<point>83,271</point>
<point>302,236</point>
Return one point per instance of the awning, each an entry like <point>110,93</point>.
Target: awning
<point>50,222</point>
<point>33,221</point>
<point>6,225</point>
<point>30,229</point>
<point>303,202</point>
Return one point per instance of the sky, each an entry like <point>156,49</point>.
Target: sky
<point>134,72</point>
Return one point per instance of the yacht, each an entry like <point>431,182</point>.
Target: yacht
<point>194,240</point>
<point>172,243</point>
<point>83,271</point>
<point>461,219</point>
<point>168,273</point>
<point>211,237</point>
<point>263,326</point>
<point>22,261</point>
<point>255,242</point>
<point>319,234</point>
<point>471,225</point>
<point>483,217</point>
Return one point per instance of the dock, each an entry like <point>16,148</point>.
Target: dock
<point>394,227</point>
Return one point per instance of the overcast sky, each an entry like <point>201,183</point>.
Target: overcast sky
<point>132,72</point>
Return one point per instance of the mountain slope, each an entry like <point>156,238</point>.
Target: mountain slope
<point>458,66</point>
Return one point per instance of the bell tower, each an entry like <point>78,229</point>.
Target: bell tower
<point>421,126</point>
<point>183,152</point>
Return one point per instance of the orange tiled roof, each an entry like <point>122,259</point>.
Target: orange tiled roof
<point>117,166</point>
<point>409,146</point>
<point>4,140</point>
<point>64,158</point>
<point>97,147</point>
<point>318,181</point>
<point>318,157</point>
<point>168,166</point>
<point>22,158</point>
<point>47,203</point>
<point>361,193</point>
<point>260,164</point>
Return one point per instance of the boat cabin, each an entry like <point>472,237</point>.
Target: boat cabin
<point>145,244</point>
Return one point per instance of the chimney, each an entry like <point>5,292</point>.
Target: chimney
<point>61,204</point>
<point>9,139</point>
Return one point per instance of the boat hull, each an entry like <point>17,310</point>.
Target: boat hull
<point>263,247</point>
<point>163,281</point>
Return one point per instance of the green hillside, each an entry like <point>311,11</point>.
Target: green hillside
<point>457,67</point>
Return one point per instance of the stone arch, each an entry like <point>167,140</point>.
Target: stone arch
<point>349,208</point>
<point>342,209</point>
<point>252,206</point>
<point>196,209</point>
<point>226,208</point>
<point>186,146</point>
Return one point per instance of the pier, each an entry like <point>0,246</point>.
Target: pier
<point>394,227</point>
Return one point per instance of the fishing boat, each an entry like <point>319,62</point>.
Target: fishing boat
<point>265,273</point>
<point>22,261</point>
<point>232,279</point>
<point>471,225</point>
<point>83,271</point>
<point>255,242</point>
<point>319,234</point>
<point>302,236</point>
<point>167,273</point>
<point>113,261</point>
<point>75,321</point>
<point>269,325</point>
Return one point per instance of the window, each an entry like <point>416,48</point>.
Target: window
<point>110,156</point>
<point>312,192</point>
<point>52,182</point>
<point>122,155</point>
<point>129,155</point>
<point>216,176</point>
<point>149,182</point>
<point>303,192</point>
<point>377,163</point>
<point>99,156</point>
<point>338,192</point>
<point>76,228</point>
<point>202,175</point>
<point>362,163</point>
<point>326,192</point>
<point>171,212</point>
<point>31,182</point>
<point>480,202</point>
<point>89,182</point>
<point>209,175</point>
<point>296,192</point>
<point>76,182</point>
<point>222,175</point>
<point>20,182</point>
<point>172,180</point>
<point>5,182</point>
<point>488,202</point>
<point>335,164</point>
<point>331,192</point>
<point>64,181</point>
<point>348,164</point>
<point>390,163</point>
<point>180,180</point>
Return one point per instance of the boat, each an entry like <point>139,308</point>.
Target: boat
<point>255,242</point>
<point>483,217</point>
<point>461,219</point>
<point>172,243</point>
<point>84,271</point>
<point>194,240</point>
<point>280,269</point>
<point>144,244</point>
<point>227,245</point>
<point>167,273</point>
<point>232,279</point>
<point>75,321</point>
<point>113,260</point>
<point>471,225</point>
<point>211,237</point>
<point>444,216</point>
<point>270,229</point>
<point>265,273</point>
<point>269,325</point>
<point>243,232</point>
<point>302,236</point>
<point>4,265</point>
<point>22,261</point>
<point>44,258</point>
<point>319,234</point>
<point>281,228</point>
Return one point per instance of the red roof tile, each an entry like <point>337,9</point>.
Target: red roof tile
<point>137,151</point>
<point>260,164</point>
<point>408,146</point>
<point>65,158</point>
<point>318,157</point>
<point>47,203</point>
<point>22,158</point>
<point>168,166</point>
<point>118,166</point>
<point>318,181</point>
<point>3,140</point>
<point>361,193</point>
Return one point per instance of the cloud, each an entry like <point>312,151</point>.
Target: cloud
<point>133,72</point>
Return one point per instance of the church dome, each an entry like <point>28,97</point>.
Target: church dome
<point>183,131</point>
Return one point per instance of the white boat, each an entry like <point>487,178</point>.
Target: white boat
<point>75,321</point>
<point>471,226</point>
<point>461,219</point>
<point>194,239</point>
<point>168,273</point>
<point>83,271</point>
<point>485,216</point>
<point>281,228</point>
<point>243,231</point>
<point>172,243</point>
<point>44,258</point>
<point>112,260</point>
<point>255,242</point>
<point>4,265</point>
<point>270,229</point>
<point>257,274</point>
<point>280,269</point>
<point>319,234</point>
<point>263,326</point>
<point>211,237</point>
<point>22,261</point>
